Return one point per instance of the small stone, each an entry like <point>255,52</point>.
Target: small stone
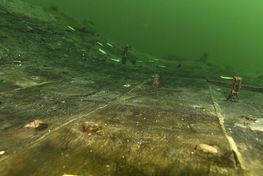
<point>90,127</point>
<point>37,125</point>
<point>2,152</point>
<point>206,149</point>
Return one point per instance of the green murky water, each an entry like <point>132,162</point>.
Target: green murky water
<point>229,31</point>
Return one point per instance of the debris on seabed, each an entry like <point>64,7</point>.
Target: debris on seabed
<point>206,149</point>
<point>236,86</point>
<point>124,55</point>
<point>102,51</point>
<point>69,175</point>
<point>37,124</point>
<point>71,28</point>
<point>100,44</point>
<point>90,127</point>
<point>2,152</point>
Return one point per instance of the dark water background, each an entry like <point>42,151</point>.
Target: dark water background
<point>230,31</point>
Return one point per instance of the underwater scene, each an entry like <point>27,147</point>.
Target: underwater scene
<point>131,88</point>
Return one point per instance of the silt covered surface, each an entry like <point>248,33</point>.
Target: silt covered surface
<point>55,71</point>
